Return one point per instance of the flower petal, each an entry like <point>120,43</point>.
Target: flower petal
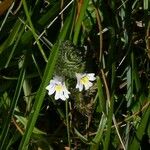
<point>58,87</point>
<point>49,86</point>
<point>91,76</point>
<point>83,80</point>
<point>79,86</point>
<point>51,89</point>
<point>65,91</point>
<point>88,85</point>
<point>66,94</point>
<point>59,95</point>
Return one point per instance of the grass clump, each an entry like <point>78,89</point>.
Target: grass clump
<point>101,49</point>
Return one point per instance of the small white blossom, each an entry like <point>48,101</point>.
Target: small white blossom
<point>83,80</point>
<point>57,86</point>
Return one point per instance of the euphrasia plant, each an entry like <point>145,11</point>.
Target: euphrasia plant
<point>70,68</point>
<point>70,60</point>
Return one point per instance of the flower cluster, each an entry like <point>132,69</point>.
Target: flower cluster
<point>57,85</point>
<point>83,80</point>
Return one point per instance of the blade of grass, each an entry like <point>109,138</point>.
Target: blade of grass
<point>96,140</point>
<point>146,6</point>
<point>42,21</point>
<point>24,121</point>
<point>102,101</point>
<point>14,139</point>
<point>33,30</point>
<point>8,12</point>
<point>12,37</point>
<point>37,66</point>
<point>84,5</point>
<point>41,91</point>
<point>129,98</point>
<point>12,106</point>
<point>83,138</point>
<point>39,98</point>
<point>14,47</point>
<point>51,23</point>
<point>117,131</point>
<point>135,145</point>
<point>109,124</point>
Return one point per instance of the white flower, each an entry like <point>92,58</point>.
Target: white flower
<point>84,80</point>
<point>57,86</point>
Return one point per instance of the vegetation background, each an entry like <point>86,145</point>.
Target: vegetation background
<point>114,36</point>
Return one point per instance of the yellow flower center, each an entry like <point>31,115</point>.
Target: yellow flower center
<point>84,80</point>
<point>58,88</point>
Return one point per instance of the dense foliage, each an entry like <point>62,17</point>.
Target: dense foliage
<point>44,38</point>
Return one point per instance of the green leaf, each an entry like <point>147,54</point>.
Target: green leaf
<point>135,144</point>
<point>24,121</point>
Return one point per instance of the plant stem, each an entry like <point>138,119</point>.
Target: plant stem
<point>68,126</point>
